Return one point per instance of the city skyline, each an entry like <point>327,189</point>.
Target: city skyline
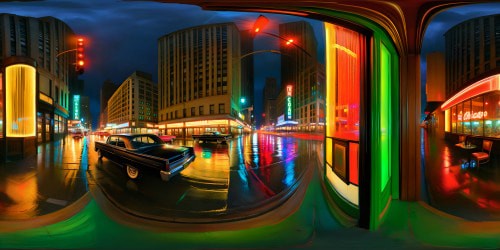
<point>116,47</point>
<point>113,55</point>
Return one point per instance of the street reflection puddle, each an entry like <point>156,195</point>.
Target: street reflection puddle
<point>251,172</point>
<point>47,187</point>
<point>18,195</point>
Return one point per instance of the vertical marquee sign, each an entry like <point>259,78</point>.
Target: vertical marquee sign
<point>76,107</point>
<point>288,108</point>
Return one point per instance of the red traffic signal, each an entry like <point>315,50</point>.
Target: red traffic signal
<point>260,23</point>
<point>80,59</point>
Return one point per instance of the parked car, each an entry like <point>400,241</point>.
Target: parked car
<point>212,136</point>
<point>141,152</point>
<point>167,138</point>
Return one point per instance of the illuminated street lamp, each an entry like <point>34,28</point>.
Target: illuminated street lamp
<point>259,25</point>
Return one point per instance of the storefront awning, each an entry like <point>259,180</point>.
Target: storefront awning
<point>488,84</point>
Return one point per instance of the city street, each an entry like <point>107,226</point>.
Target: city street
<point>225,182</point>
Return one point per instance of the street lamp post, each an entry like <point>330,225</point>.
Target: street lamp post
<point>262,21</point>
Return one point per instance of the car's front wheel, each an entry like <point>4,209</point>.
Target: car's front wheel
<point>132,172</point>
<point>99,154</point>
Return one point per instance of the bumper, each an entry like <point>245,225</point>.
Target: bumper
<point>166,175</point>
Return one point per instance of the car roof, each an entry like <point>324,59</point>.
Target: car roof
<point>134,135</point>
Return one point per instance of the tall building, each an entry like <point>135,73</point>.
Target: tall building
<point>200,80</point>
<point>299,69</point>
<point>31,47</point>
<point>472,63</point>
<point>472,51</point>
<point>270,94</point>
<point>85,116</point>
<point>107,90</point>
<point>247,73</point>
<point>133,108</point>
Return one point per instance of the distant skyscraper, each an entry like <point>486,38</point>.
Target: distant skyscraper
<point>247,70</point>
<point>86,118</point>
<point>299,69</point>
<point>270,95</point>
<point>107,90</point>
<point>199,79</point>
<point>133,108</point>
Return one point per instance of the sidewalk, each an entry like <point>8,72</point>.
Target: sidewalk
<point>44,183</point>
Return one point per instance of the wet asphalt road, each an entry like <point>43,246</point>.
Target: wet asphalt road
<point>224,179</point>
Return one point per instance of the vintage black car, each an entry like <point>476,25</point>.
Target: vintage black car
<point>140,152</point>
<point>212,136</point>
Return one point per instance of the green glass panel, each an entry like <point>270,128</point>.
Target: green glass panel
<point>385,104</point>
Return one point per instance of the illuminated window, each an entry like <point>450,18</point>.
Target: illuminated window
<point>344,57</point>
<point>492,114</point>
<point>476,116</point>
<point>20,99</point>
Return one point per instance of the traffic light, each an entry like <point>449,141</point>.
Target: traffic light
<point>80,62</point>
<point>260,23</point>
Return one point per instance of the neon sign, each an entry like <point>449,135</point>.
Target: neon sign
<point>475,115</point>
<point>288,108</point>
<point>76,107</point>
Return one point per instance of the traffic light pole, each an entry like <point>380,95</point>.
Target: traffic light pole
<point>64,52</point>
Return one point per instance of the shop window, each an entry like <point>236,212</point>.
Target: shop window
<point>492,114</point>
<point>476,116</point>
<point>344,57</point>
<point>460,118</point>
<point>466,118</point>
<point>454,119</point>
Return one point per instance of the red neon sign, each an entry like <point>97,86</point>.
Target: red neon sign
<point>475,115</point>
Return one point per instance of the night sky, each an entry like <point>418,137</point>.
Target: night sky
<point>121,36</point>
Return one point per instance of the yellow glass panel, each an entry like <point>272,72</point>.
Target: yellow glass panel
<point>20,100</point>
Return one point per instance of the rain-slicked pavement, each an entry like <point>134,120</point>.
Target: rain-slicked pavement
<point>225,182</point>
<point>472,194</point>
<point>47,182</point>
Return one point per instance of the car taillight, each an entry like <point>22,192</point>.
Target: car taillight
<point>167,165</point>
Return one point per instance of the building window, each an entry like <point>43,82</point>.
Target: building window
<point>212,109</point>
<point>221,108</point>
<point>200,110</point>
<point>193,112</point>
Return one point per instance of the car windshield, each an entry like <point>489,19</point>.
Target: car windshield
<point>144,141</point>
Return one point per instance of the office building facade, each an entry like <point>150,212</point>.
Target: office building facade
<point>107,90</point>
<point>472,57</point>
<point>33,48</point>
<point>133,108</point>
<point>299,68</point>
<point>200,81</point>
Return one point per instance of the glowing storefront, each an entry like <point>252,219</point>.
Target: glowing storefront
<point>362,110</point>
<point>19,108</point>
<point>475,110</point>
